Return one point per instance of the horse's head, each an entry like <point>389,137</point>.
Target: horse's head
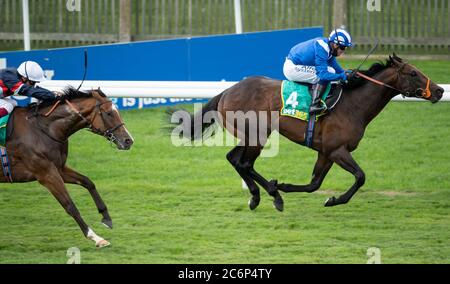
<point>104,119</point>
<point>413,83</point>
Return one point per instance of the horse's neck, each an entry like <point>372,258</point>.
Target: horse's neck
<point>64,122</point>
<point>367,101</point>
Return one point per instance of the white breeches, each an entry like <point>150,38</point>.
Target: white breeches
<point>302,73</point>
<point>8,104</point>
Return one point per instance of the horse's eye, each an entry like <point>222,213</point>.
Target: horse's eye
<point>109,113</point>
<point>413,74</point>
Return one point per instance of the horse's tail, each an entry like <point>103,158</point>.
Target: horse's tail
<point>193,126</point>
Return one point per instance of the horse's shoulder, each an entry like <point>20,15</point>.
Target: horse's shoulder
<point>17,112</point>
<point>22,118</point>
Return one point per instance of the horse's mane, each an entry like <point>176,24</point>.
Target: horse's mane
<point>70,93</point>
<point>372,71</point>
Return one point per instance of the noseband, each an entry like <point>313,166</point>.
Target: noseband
<point>419,92</point>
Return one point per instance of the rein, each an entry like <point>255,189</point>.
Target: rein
<point>52,109</point>
<point>424,93</point>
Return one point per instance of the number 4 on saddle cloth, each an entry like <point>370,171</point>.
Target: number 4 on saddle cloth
<point>4,156</point>
<point>296,99</point>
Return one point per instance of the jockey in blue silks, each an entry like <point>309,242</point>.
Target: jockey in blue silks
<point>314,62</point>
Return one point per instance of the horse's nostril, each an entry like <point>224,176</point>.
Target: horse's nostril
<point>439,92</point>
<point>128,141</point>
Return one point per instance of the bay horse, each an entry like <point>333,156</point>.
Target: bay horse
<point>38,146</point>
<point>336,134</point>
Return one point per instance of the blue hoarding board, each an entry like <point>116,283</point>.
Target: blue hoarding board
<point>137,103</point>
<point>210,58</point>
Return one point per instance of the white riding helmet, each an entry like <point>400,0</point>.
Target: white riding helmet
<point>32,71</point>
<point>341,37</point>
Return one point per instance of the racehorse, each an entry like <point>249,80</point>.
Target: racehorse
<point>37,146</point>
<point>336,134</point>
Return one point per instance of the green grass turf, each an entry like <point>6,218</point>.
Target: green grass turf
<point>185,204</point>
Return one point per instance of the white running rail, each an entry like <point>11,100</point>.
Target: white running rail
<point>169,89</point>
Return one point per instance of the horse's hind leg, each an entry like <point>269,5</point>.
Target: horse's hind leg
<point>343,158</point>
<point>321,168</point>
<point>247,162</point>
<point>71,176</point>
<point>234,157</point>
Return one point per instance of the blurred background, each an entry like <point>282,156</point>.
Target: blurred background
<point>409,26</point>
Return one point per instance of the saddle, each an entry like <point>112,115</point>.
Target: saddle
<point>334,96</point>
<point>296,98</point>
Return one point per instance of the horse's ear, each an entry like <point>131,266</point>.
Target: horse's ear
<point>391,60</point>
<point>101,92</point>
<point>398,58</point>
<point>395,60</point>
<point>96,94</point>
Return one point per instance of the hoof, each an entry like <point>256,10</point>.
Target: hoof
<point>330,202</point>
<point>102,244</point>
<point>279,205</point>
<point>108,223</point>
<point>253,203</point>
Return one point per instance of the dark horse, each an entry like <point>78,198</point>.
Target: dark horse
<point>336,135</point>
<point>38,146</point>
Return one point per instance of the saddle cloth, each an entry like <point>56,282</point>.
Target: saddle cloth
<point>296,99</point>
<point>3,126</point>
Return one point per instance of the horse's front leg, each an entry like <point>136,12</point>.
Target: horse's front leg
<point>343,158</point>
<point>321,168</point>
<point>71,176</point>
<point>47,175</point>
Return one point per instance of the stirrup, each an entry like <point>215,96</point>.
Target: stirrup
<point>317,110</point>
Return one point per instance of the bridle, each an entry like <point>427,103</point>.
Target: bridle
<point>108,133</point>
<point>418,93</point>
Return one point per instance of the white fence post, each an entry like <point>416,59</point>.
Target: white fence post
<point>238,16</point>
<point>26,25</point>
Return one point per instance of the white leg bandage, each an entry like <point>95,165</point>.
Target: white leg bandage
<point>93,236</point>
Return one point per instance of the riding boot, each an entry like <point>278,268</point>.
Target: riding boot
<point>316,94</point>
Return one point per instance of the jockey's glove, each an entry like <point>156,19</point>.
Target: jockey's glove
<point>344,77</point>
<point>58,95</point>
